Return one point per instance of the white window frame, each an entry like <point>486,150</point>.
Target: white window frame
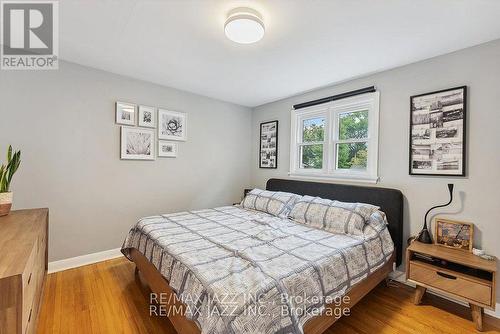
<point>331,112</point>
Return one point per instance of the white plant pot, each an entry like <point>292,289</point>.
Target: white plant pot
<point>5,203</point>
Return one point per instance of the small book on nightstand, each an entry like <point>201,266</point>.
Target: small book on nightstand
<point>457,274</point>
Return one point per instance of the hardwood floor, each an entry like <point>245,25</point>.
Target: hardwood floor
<point>106,298</point>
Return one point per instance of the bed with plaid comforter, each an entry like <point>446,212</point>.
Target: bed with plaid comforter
<point>245,271</point>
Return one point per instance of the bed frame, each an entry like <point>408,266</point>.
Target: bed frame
<point>389,200</point>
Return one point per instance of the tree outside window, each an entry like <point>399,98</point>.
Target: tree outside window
<point>353,147</point>
<point>337,139</point>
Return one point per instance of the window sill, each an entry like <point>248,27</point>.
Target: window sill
<point>343,178</point>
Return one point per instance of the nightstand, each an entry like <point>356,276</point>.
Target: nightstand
<point>454,273</point>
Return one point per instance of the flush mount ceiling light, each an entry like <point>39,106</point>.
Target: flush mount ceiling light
<point>244,25</point>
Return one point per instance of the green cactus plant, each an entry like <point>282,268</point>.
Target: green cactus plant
<point>7,171</point>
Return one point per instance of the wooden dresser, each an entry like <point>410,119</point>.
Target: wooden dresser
<point>23,268</point>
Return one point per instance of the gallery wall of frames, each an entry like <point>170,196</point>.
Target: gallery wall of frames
<point>139,126</point>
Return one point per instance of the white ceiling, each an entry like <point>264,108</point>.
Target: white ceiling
<point>308,44</point>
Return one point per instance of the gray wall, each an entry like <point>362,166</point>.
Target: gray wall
<point>63,121</point>
<point>478,194</point>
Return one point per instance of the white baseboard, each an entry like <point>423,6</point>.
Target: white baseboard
<point>74,262</point>
<point>400,276</point>
<point>494,314</point>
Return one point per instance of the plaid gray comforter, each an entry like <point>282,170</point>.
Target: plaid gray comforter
<point>243,271</point>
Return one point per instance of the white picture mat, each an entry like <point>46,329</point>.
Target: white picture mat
<point>125,108</point>
<point>437,133</point>
<point>142,110</point>
<point>163,154</point>
<point>125,132</point>
<point>163,117</point>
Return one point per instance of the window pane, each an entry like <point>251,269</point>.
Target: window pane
<point>313,129</point>
<point>311,156</point>
<point>353,125</point>
<point>352,156</point>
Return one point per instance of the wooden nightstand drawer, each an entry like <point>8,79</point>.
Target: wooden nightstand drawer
<point>451,282</point>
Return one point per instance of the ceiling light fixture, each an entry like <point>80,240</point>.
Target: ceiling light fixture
<point>244,25</point>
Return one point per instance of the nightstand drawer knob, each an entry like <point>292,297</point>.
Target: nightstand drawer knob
<point>446,275</point>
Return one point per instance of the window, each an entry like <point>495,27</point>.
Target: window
<point>337,139</point>
<point>312,143</point>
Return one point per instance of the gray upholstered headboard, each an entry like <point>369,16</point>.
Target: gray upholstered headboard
<point>390,201</point>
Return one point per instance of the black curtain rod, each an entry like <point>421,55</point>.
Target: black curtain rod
<point>335,97</point>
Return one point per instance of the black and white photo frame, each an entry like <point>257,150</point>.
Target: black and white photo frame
<point>125,113</point>
<point>167,149</point>
<point>268,145</point>
<point>172,125</point>
<point>438,133</point>
<point>147,116</point>
<point>137,144</point>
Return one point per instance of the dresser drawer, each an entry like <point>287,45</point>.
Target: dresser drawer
<point>42,243</point>
<point>30,264</point>
<point>28,326</point>
<point>39,270</point>
<point>29,288</point>
<point>447,281</point>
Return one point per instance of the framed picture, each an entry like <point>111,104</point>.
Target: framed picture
<point>454,234</point>
<point>268,153</point>
<point>172,125</point>
<point>137,144</point>
<point>147,116</point>
<point>167,149</point>
<point>437,133</point>
<point>125,113</point>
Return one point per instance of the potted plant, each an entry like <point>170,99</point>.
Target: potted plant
<point>6,173</point>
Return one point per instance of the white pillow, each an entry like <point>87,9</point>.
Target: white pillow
<point>332,216</point>
<point>276,203</point>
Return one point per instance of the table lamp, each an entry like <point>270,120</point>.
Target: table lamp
<point>424,235</point>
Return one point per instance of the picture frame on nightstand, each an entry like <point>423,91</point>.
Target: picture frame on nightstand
<point>454,234</point>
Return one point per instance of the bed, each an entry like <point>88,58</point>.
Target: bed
<point>234,270</point>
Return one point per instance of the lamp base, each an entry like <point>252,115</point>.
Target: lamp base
<point>424,236</point>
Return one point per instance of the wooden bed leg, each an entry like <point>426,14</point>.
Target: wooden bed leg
<point>391,283</point>
<point>477,316</point>
<point>419,293</point>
